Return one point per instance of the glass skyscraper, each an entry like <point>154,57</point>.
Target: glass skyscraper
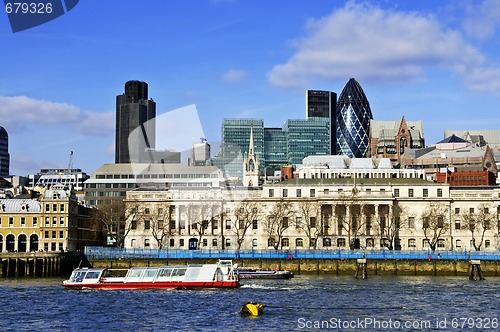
<point>323,104</point>
<point>275,149</point>
<point>133,110</point>
<point>353,121</point>
<point>307,138</point>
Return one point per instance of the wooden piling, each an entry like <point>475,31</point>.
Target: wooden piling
<point>475,270</point>
<point>361,265</point>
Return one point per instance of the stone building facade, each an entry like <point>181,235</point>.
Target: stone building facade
<point>381,213</point>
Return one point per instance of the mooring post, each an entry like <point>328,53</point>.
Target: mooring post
<point>475,270</point>
<point>361,265</point>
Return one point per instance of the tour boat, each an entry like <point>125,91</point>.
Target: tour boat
<point>256,273</point>
<point>220,275</point>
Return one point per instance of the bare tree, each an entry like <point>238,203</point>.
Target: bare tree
<point>308,210</point>
<point>434,223</point>
<point>349,216</point>
<point>247,214</point>
<point>116,219</point>
<point>477,223</point>
<point>277,223</point>
<point>158,220</point>
<point>388,227</point>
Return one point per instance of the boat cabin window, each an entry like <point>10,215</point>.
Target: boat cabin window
<point>193,273</point>
<point>150,273</point>
<point>179,272</point>
<point>135,273</point>
<point>78,276</point>
<point>165,272</point>
<point>92,275</point>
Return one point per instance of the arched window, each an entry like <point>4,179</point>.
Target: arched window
<point>270,242</point>
<point>341,242</point>
<point>21,243</point>
<point>299,242</point>
<point>327,242</point>
<point>285,242</point>
<point>370,243</point>
<point>10,242</point>
<point>412,243</point>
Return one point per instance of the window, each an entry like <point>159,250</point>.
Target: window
<point>425,223</point>
<point>214,242</point>
<point>440,192</point>
<point>441,243</point>
<point>370,242</point>
<point>271,192</point>
<point>298,192</point>
<point>54,220</point>
<point>133,224</point>
<point>458,244</point>
<point>35,221</point>
<point>410,192</point>
<point>285,222</point>
<point>171,224</point>
<point>254,224</point>
<point>312,222</point>
<point>11,221</point>
<point>54,207</point>
<point>181,243</point>
<point>46,234</point>
<point>411,222</point>
<point>341,242</point>
<point>172,242</point>
<point>228,224</point>
<point>312,193</point>
<point>298,222</point>
<point>61,220</point>
<point>61,208</point>
<point>384,243</point>
<point>241,224</point>
<point>285,192</point>
<point>205,242</point>
<point>285,242</point>
<point>146,243</point>
<point>327,242</point>
<point>457,224</point>
<point>326,191</point>
<point>487,243</point>
<point>61,234</point>
<point>23,221</point>
<point>53,234</point>
<point>440,221</point>
<point>299,242</point>
<point>47,207</point>
<point>412,243</point>
<point>426,192</point>
<point>228,243</point>
<point>486,210</point>
<point>147,224</point>
<point>146,211</point>
<point>471,210</point>
<point>396,192</point>
<point>270,242</point>
<point>457,210</point>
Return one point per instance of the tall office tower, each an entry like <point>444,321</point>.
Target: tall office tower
<point>323,104</point>
<point>236,142</point>
<point>353,121</point>
<point>306,138</point>
<point>134,111</point>
<point>4,153</point>
<point>275,147</point>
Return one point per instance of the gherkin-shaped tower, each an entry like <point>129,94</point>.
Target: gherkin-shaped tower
<point>353,121</point>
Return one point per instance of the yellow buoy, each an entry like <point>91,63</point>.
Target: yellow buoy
<point>252,309</point>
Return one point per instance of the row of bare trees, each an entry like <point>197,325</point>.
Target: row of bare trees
<point>307,215</point>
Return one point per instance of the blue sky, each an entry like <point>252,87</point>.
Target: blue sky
<point>435,61</point>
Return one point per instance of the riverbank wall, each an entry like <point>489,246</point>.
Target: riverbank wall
<point>434,267</point>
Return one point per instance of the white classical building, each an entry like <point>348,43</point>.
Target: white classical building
<point>317,212</point>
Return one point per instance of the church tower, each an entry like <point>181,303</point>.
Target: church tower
<point>251,166</point>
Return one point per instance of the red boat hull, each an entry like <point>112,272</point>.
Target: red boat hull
<point>150,285</point>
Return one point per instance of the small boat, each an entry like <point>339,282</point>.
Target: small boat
<point>220,275</point>
<point>256,273</point>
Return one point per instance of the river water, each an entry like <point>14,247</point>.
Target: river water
<point>306,302</point>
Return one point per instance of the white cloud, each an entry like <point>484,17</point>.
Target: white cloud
<point>482,19</point>
<point>21,110</point>
<point>234,76</point>
<point>369,43</point>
